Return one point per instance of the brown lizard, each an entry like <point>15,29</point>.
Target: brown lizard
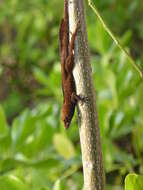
<point>67,64</point>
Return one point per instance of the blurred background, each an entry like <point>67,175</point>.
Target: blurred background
<point>36,152</point>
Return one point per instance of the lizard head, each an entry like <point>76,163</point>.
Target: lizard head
<point>66,122</point>
<point>67,114</point>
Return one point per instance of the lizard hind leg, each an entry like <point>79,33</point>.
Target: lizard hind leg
<point>73,37</point>
<point>70,58</point>
<point>75,98</point>
<point>69,63</point>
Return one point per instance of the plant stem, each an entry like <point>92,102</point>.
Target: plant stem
<point>138,69</point>
<point>87,113</point>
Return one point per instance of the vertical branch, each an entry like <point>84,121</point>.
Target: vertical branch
<point>87,114</point>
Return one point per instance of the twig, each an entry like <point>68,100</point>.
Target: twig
<point>138,69</point>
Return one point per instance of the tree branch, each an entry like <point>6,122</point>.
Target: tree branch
<point>87,114</point>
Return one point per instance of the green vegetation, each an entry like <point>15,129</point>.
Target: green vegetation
<point>134,182</point>
<point>36,152</point>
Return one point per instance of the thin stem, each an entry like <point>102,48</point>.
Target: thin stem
<point>138,69</point>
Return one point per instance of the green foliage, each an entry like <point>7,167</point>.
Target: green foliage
<point>12,182</point>
<point>3,123</point>
<point>64,146</point>
<point>36,152</point>
<point>59,185</point>
<point>134,182</point>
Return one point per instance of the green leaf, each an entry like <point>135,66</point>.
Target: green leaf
<point>64,146</point>
<point>111,83</point>
<point>103,42</point>
<point>59,185</point>
<point>134,182</point>
<point>1,70</point>
<point>11,182</point>
<point>3,123</point>
<point>40,76</point>
<point>12,163</point>
<point>23,127</point>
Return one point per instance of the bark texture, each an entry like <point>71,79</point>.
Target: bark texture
<point>87,113</point>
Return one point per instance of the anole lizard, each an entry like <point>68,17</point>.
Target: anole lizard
<point>67,64</point>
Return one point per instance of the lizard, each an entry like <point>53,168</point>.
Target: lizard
<point>67,64</point>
